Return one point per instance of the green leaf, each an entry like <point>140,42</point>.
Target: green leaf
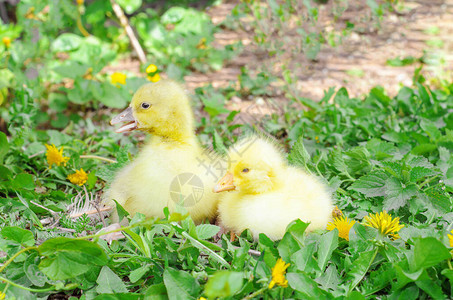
<point>418,173</point>
<point>379,94</point>
<point>71,69</point>
<point>66,42</point>
<point>423,149</point>
<point>304,259</point>
<point>330,278</point>
<point>309,103</point>
<point>23,181</point>
<point>360,267</point>
<point>6,79</point>
<point>299,155</point>
<point>138,273</point>
<point>107,172</point>
<point>342,95</point>
<point>372,185</point>
<point>327,244</point>
<point>430,129</point>
<point>180,284</point>
<point>218,144</point>
<point>130,6</point>
<point>119,296</point>
<point>32,271</point>
<point>173,15</point>
<point>394,168</point>
<point>67,258</point>
<point>302,283</point>
<point>19,235</point>
<point>156,292</point>
<point>293,239</point>
<point>214,106</point>
<point>120,211</point>
<point>439,199</point>
<point>355,72</point>
<point>401,62</point>
<point>428,252</point>
<point>4,146</point>
<point>206,231</point>
<point>111,97</point>
<point>137,240</point>
<point>397,194</point>
<point>423,93</point>
<point>358,160</point>
<point>337,161</point>
<point>109,283</point>
<point>433,290</point>
<point>224,284</point>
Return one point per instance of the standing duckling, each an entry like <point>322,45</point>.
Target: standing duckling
<point>265,194</point>
<point>172,169</point>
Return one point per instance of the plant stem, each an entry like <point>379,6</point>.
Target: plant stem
<point>6,288</point>
<point>342,191</point>
<point>427,181</point>
<point>80,24</point>
<point>99,157</point>
<point>130,33</point>
<point>56,180</point>
<point>258,292</point>
<point>26,288</point>
<point>16,255</point>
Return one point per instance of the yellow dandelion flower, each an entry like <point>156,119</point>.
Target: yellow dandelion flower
<point>384,223</point>
<point>55,156</point>
<point>80,2</point>
<point>6,41</point>
<point>2,295</point>
<point>79,177</point>
<point>450,238</point>
<point>118,77</point>
<point>278,274</point>
<point>343,225</point>
<point>151,68</point>
<point>154,78</point>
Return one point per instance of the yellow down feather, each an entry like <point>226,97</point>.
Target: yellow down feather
<point>172,170</point>
<point>262,193</point>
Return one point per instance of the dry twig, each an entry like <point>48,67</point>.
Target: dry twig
<point>130,33</point>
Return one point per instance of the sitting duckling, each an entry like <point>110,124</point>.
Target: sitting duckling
<point>172,169</point>
<point>265,194</point>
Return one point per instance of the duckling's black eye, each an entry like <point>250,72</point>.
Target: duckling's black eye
<point>246,170</point>
<point>145,105</point>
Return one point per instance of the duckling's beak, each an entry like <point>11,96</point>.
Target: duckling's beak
<point>224,184</point>
<point>125,116</point>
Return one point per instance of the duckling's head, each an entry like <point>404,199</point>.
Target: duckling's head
<point>160,108</point>
<point>254,167</point>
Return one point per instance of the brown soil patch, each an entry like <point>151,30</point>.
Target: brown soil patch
<point>401,35</point>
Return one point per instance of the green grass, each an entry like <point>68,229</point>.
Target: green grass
<point>377,153</point>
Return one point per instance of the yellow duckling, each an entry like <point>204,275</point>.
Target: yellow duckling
<point>266,194</point>
<point>172,169</point>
